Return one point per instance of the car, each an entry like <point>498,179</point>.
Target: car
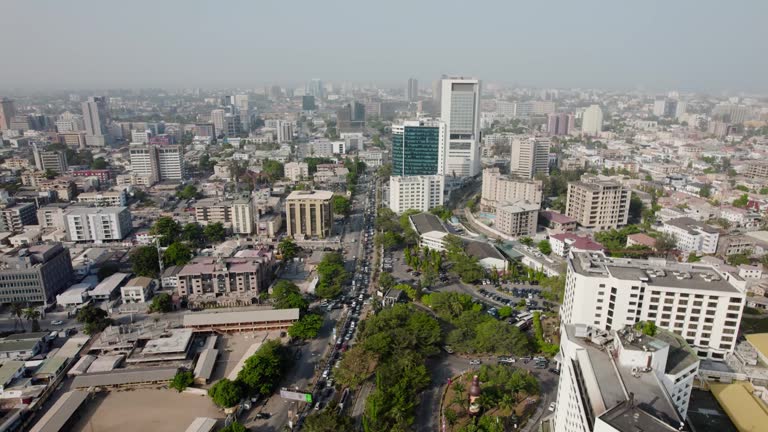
<point>475,362</point>
<point>555,371</point>
<point>552,406</point>
<point>57,322</point>
<point>448,349</point>
<point>506,359</point>
<point>262,416</point>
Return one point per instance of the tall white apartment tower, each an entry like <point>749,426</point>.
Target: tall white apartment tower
<point>530,156</point>
<point>95,118</point>
<point>217,118</point>
<point>592,121</point>
<point>460,111</point>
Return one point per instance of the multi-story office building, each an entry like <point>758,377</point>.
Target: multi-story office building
<point>95,116</point>
<point>308,103</point>
<point>243,219</point>
<point>309,214</point>
<point>622,381</point>
<point>284,131</point>
<point>530,156</point>
<point>55,161</point>
<point>158,163</point>
<point>217,118</point>
<point>561,124</point>
<point>517,219</point>
<point>499,189</point>
<point>412,91</point>
<point>7,112</point>
<point>695,301</point>
<point>140,136</point>
<point>757,169</point>
<point>105,198</point>
<point>237,214</point>
<point>534,108</point>
<point>296,171</point>
<point>460,111</point>
<point>691,235</point>
<point>415,192</point>
<point>592,121</point>
<point>14,216</point>
<point>418,148</point>
<point>598,204</point>
<point>74,140</point>
<point>351,117</point>
<point>227,280</point>
<point>35,274</point>
<point>97,224</point>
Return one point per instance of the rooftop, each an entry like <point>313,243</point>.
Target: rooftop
<point>746,410</point>
<point>109,285</point>
<point>759,341</point>
<point>426,222</point>
<point>556,217</point>
<point>578,242</point>
<point>222,318</point>
<point>8,370</point>
<point>177,340</point>
<point>643,239</point>
<point>481,250</point>
<point>141,281</point>
<point>315,194</point>
<point>95,210</point>
<point>691,225</point>
<point>123,377</point>
<point>653,272</point>
<point>629,417</point>
<point>57,416</point>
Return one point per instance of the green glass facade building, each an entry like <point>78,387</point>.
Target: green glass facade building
<point>416,150</point>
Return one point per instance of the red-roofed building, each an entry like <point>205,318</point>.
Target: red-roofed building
<point>641,239</point>
<point>562,244</point>
<point>556,222</point>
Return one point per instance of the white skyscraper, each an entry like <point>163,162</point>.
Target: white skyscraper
<point>530,156</point>
<point>460,111</point>
<point>592,121</point>
<point>415,192</point>
<point>284,131</point>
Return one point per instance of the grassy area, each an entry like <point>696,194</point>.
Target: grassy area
<point>754,325</point>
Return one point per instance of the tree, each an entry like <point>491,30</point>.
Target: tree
<point>692,257</point>
<point>356,366</point>
<point>288,249</point>
<point>739,259</point>
<point>167,228</point>
<point>215,232</point>
<point>329,420</point>
<point>95,319</point>
<point>526,241</point>
<point>17,311</point>
<point>177,254</point>
<point>286,295</point>
<point>332,275</point>
<point>161,303</point>
<point>273,169</point>
<point>544,247</point>
<point>649,328</point>
<point>193,234</point>
<point>505,312</point>
<point>235,426</point>
<point>742,188</point>
<point>182,380</point>
<point>635,208</point>
<point>107,270</point>
<point>386,281</point>
<point>50,174</point>
<point>145,261</point>
<point>742,201</point>
<point>411,292</point>
<point>264,370</point>
<point>665,242</point>
<point>307,327</point>
<point>341,205</point>
<point>705,191</point>
<point>225,393</point>
<point>187,192</point>
<point>99,163</point>
<point>32,314</point>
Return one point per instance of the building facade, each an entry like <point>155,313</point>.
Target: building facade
<point>517,219</point>
<point>97,224</point>
<point>530,156</point>
<point>415,192</point>
<point>309,214</point>
<point>598,204</point>
<point>460,111</point>
<point>592,121</point>
<point>692,236</point>
<point>697,302</point>
<point>35,274</point>
<point>418,148</point>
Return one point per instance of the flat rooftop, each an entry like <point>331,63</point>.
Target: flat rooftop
<point>632,418</point>
<point>747,412</point>
<point>176,341</point>
<point>238,317</point>
<point>314,195</point>
<point>653,272</point>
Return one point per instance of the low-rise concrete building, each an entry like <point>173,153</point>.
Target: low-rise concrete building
<point>138,290</point>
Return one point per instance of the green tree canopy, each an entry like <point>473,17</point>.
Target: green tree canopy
<point>187,192</point>
<point>167,228</point>
<point>225,393</point>
<point>215,232</point>
<point>328,420</point>
<point>177,254</point>
<point>544,247</point>
<point>288,249</point>
<point>182,380</point>
<point>332,275</point>
<point>235,426</point>
<point>307,327</point>
<point>161,303</point>
<point>341,205</point>
<point>264,370</point>
<point>273,169</point>
<point>144,261</point>
<point>95,319</point>
<point>286,295</point>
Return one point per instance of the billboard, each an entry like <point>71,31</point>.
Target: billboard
<point>295,395</point>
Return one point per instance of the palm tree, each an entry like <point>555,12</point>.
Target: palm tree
<point>17,310</point>
<point>32,314</point>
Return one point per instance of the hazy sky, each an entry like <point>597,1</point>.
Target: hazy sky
<point>653,44</point>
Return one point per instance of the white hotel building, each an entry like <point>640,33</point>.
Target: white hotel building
<point>695,301</point>
<point>415,192</point>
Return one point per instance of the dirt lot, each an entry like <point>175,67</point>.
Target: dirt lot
<point>144,410</point>
<point>233,347</point>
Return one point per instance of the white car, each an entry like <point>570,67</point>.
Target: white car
<point>475,362</point>
<point>552,406</point>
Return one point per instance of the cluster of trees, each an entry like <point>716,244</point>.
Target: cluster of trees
<point>94,319</point>
<point>472,330</point>
<point>180,240</point>
<point>182,380</point>
<point>399,339</point>
<point>741,201</point>
<point>188,192</point>
<point>616,239</point>
<point>29,313</point>
<point>313,162</point>
<point>328,420</point>
<point>538,333</point>
<point>425,260</point>
<point>394,231</point>
<point>286,295</point>
<point>341,205</point>
<point>288,249</point>
<point>273,169</point>
<point>356,168</point>
<point>332,275</point>
<point>161,303</point>
<point>466,267</point>
<point>544,247</point>
<point>555,185</point>
<point>442,212</point>
<point>261,374</point>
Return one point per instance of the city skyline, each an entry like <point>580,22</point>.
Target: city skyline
<point>587,45</point>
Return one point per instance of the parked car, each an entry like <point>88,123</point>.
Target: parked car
<point>475,362</point>
<point>552,406</point>
<point>57,322</point>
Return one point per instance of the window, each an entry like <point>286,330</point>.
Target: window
<point>667,309</point>
<point>669,300</point>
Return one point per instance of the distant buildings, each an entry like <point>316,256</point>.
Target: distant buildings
<point>415,192</point>
<point>598,204</point>
<point>592,121</point>
<point>460,111</point>
<point>7,112</point>
<point>757,169</point>
<point>351,118</point>
<point>412,90</point>
<point>296,171</point>
<point>530,156</point>
<point>309,214</point>
<point>14,216</point>
<point>55,161</point>
<point>237,214</point>
<point>229,281</point>
<point>44,269</point>
<point>560,124</point>
<point>116,198</point>
<point>284,131</point>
